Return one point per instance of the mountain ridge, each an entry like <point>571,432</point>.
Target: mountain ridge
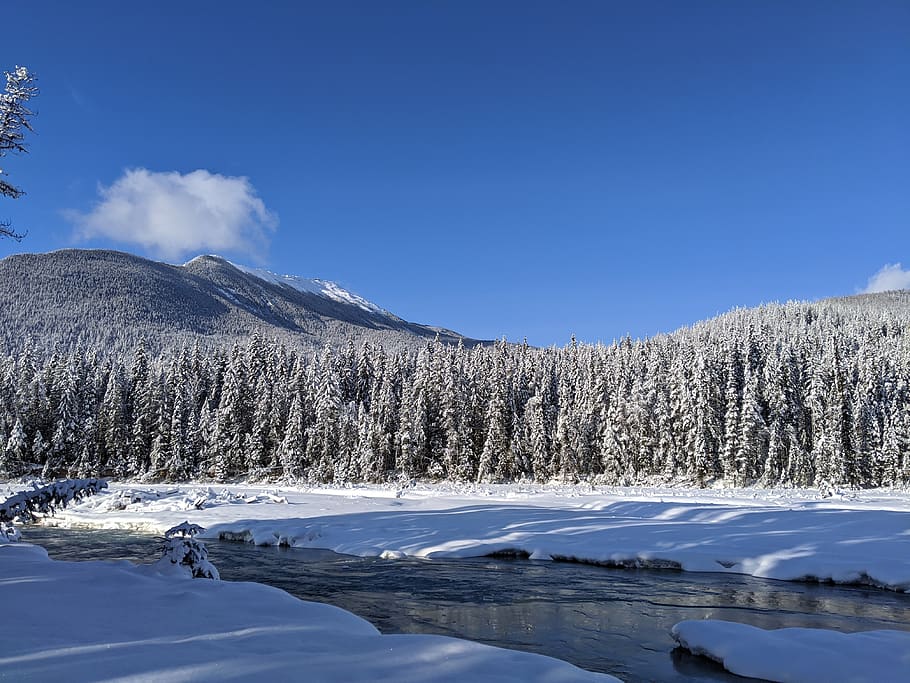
<point>326,288</point>
<point>94,295</point>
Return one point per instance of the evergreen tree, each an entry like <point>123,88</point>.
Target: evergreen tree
<point>14,454</point>
<point>753,435</point>
<point>14,122</point>
<point>293,447</point>
<point>323,440</point>
<point>143,414</point>
<point>233,417</point>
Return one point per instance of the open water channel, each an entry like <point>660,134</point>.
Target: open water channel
<point>611,620</point>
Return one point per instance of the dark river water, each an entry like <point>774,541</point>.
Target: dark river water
<point>612,620</point>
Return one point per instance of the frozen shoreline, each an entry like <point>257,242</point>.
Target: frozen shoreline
<point>861,537</point>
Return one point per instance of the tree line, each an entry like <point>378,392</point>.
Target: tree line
<point>794,395</point>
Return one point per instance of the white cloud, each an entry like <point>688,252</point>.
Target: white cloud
<point>174,214</point>
<point>890,277</point>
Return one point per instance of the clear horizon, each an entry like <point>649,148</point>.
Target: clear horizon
<point>505,169</point>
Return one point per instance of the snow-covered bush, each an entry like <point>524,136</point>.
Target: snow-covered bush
<point>182,549</point>
<point>9,533</point>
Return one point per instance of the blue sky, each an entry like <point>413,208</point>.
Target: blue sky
<point>518,169</point>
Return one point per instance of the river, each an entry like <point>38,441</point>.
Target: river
<point>611,620</point>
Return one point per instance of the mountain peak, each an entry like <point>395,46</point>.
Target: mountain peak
<point>201,258</point>
<point>324,288</point>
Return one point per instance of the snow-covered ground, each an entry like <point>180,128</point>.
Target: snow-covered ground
<point>799,654</point>
<point>96,621</point>
<point>779,534</point>
<point>844,537</point>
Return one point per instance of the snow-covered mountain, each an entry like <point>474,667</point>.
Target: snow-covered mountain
<point>325,288</point>
<point>110,299</point>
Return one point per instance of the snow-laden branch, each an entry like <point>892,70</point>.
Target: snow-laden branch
<point>45,500</point>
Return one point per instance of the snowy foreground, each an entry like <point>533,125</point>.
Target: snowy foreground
<point>93,621</point>
<point>847,537</point>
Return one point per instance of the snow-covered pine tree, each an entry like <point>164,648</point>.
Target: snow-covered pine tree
<point>292,450</point>
<point>752,440</point>
<point>142,410</point>
<point>113,426</point>
<point>323,438</point>
<point>498,423</point>
<point>733,398</point>
<point>14,122</point>
<point>182,549</point>
<point>14,454</point>
<point>232,421</point>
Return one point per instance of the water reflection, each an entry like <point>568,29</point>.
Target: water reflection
<point>613,620</point>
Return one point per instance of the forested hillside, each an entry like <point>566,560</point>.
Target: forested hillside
<point>796,394</point>
<point>110,301</point>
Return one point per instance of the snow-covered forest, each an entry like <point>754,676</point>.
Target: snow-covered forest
<point>795,394</point>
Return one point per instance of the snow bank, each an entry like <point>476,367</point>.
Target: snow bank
<point>862,538</point>
<point>89,621</point>
<point>799,655</point>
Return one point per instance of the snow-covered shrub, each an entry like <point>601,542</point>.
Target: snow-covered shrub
<point>181,548</point>
<point>9,533</point>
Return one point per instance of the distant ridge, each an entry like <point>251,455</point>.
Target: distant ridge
<point>112,298</point>
<point>324,288</point>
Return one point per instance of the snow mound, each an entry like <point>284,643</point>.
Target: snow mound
<point>799,655</point>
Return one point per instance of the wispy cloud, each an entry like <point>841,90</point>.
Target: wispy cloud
<point>79,99</point>
<point>891,276</point>
<point>172,214</point>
